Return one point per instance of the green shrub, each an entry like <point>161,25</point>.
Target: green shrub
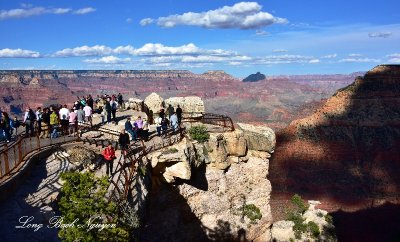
<point>313,229</point>
<point>299,203</point>
<point>328,219</point>
<point>299,226</point>
<point>199,133</point>
<point>83,198</point>
<point>171,151</point>
<point>252,212</point>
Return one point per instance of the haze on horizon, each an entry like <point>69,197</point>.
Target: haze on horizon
<point>273,37</point>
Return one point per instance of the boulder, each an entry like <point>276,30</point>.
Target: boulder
<point>217,153</point>
<point>180,170</point>
<point>154,102</point>
<point>191,104</point>
<point>135,104</point>
<point>235,143</point>
<point>282,231</point>
<point>258,137</point>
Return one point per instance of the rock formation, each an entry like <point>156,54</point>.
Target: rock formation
<point>215,182</point>
<point>154,102</point>
<point>346,153</point>
<point>191,104</point>
<point>254,77</point>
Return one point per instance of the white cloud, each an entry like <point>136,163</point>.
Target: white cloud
<point>355,55</point>
<point>314,61</point>
<point>108,60</point>
<point>149,49</point>
<point>279,50</point>
<point>394,58</point>
<point>243,15</point>
<point>129,20</point>
<point>284,59</point>
<point>29,11</point>
<point>18,53</point>
<point>97,50</point>
<point>146,21</point>
<point>331,56</point>
<point>261,32</point>
<point>87,10</point>
<point>380,35</point>
<point>360,60</point>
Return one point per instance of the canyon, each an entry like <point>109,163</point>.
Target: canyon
<point>275,100</point>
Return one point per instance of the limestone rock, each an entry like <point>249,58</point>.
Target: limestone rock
<point>190,104</point>
<point>235,143</point>
<point>180,170</point>
<point>154,102</point>
<point>217,153</point>
<point>135,104</point>
<point>282,231</point>
<point>258,137</point>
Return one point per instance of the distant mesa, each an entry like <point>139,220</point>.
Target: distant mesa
<point>254,77</point>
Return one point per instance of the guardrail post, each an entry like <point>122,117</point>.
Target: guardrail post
<point>6,164</point>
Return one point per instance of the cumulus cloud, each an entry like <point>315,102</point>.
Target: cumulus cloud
<point>243,15</point>
<point>97,50</point>
<point>87,10</point>
<point>18,53</point>
<point>29,11</point>
<point>149,49</point>
<point>108,60</point>
<point>355,55</point>
<point>380,35</point>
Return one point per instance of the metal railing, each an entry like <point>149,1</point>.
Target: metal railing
<point>209,118</point>
<point>13,154</point>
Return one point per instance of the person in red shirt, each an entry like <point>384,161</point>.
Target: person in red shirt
<point>109,156</point>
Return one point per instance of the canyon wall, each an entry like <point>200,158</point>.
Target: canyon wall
<point>347,152</point>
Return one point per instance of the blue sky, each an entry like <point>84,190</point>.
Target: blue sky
<point>274,37</point>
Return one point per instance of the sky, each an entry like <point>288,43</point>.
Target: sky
<point>275,37</point>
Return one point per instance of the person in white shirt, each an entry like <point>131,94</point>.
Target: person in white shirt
<point>174,122</point>
<point>88,114</point>
<point>64,119</point>
<point>158,121</point>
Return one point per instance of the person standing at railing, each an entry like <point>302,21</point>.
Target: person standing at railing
<point>130,130</point>
<point>64,119</point>
<point>164,125</point>
<point>123,140</point>
<point>5,125</point>
<point>88,114</point>
<point>73,122</point>
<point>80,114</point>
<point>39,119</point>
<point>145,130</point>
<point>158,121</point>
<point>174,122</point>
<point>109,156</point>
<point>170,111</point>
<point>114,106</point>
<point>54,123</point>
<point>120,101</point>
<point>139,125</point>
<point>179,114</point>
<point>29,121</point>
<point>45,124</point>
<point>14,124</point>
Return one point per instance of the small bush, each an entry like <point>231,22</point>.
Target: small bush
<point>252,212</point>
<point>171,151</point>
<point>299,203</point>
<point>328,219</point>
<point>313,229</point>
<point>199,133</point>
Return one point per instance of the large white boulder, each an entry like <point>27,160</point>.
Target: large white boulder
<point>259,138</point>
<point>154,102</point>
<point>190,104</point>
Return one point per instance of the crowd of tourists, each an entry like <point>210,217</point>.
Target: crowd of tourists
<point>54,121</point>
